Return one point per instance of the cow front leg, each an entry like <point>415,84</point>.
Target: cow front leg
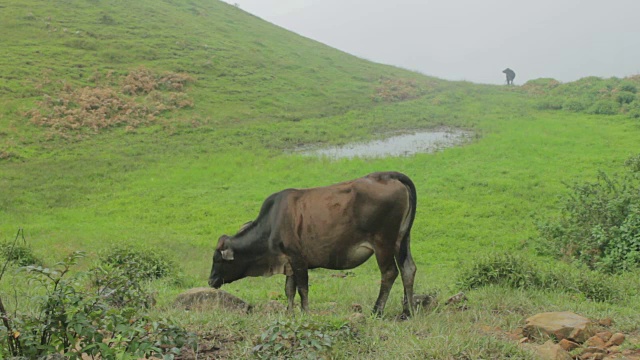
<point>303,289</point>
<point>389,273</point>
<point>301,275</point>
<point>290,291</point>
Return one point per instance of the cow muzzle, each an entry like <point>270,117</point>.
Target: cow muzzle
<point>215,283</point>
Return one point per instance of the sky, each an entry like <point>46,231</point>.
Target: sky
<point>472,40</point>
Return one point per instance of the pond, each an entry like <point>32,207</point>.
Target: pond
<point>398,145</point>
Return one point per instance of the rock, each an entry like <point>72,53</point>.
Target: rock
<point>604,335</point>
<point>616,339</point>
<point>614,349</point>
<point>459,297</point>
<point>593,350</point>
<point>568,345</point>
<point>591,356</point>
<point>424,302</point>
<point>551,351</point>
<point>605,322</point>
<point>560,325</point>
<point>207,297</point>
<point>594,341</point>
<point>356,308</point>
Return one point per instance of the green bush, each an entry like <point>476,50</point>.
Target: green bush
<point>21,255</point>
<point>604,107</point>
<point>79,320</point>
<point>502,269</point>
<point>625,97</point>
<point>146,262</point>
<point>519,272</point>
<point>633,109</point>
<point>287,339</point>
<point>599,224</point>
<point>575,105</point>
<point>628,86</point>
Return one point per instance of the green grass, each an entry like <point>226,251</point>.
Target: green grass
<point>260,91</point>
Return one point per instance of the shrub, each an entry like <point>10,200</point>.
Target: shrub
<point>575,105</point>
<point>21,255</point>
<point>633,109</point>
<point>599,224</point>
<point>518,272</point>
<point>604,107</point>
<point>502,269</point>
<point>628,86</point>
<point>286,339</point>
<point>79,321</point>
<point>147,263</point>
<point>625,97</point>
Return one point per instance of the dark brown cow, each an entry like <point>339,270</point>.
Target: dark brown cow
<point>334,227</point>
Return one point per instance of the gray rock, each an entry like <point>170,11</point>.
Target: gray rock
<point>200,298</point>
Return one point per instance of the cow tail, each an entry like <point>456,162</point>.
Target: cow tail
<point>413,202</point>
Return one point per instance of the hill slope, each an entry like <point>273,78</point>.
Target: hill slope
<point>243,68</point>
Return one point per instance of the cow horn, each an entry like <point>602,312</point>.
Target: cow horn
<point>227,254</point>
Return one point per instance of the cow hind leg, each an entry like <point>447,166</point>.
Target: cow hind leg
<point>389,273</point>
<point>408,273</point>
<point>290,291</point>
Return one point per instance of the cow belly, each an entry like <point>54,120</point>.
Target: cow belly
<point>354,256</point>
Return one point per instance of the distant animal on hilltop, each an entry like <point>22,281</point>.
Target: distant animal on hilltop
<point>333,227</point>
<point>510,75</point>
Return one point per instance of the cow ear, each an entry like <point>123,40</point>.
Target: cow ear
<point>227,254</point>
<point>221,242</point>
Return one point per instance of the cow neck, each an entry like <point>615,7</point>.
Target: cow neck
<point>252,241</point>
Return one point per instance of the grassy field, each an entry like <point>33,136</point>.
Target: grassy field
<point>176,184</point>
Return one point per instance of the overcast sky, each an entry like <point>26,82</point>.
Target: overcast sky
<point>473,40</point>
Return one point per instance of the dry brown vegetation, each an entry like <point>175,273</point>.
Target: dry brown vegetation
<point>134,100</point>
<point>392,90</point>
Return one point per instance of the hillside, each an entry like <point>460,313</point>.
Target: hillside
<point>162,125</point>
<point>242,68</point>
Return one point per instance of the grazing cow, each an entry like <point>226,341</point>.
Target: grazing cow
<point>510,75</point>
<point>334,227</point>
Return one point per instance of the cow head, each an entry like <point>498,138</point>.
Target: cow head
<point>225,268</point>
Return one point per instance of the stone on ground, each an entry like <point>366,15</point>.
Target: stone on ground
<point>199,298</point>
<point>559,325</point>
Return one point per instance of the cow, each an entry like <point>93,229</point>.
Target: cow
<point>334,227</point>
<point>510,75</point>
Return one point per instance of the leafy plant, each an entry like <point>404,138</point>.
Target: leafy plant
<point>501,269</point>
<point>74,320</point>
<point>146,263</point>
<point>21,255</point>
<point>521,273</point>
<point>291,340</point>
<point>599,223</point>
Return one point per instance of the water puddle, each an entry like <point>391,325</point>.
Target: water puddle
<point>398,145</point>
